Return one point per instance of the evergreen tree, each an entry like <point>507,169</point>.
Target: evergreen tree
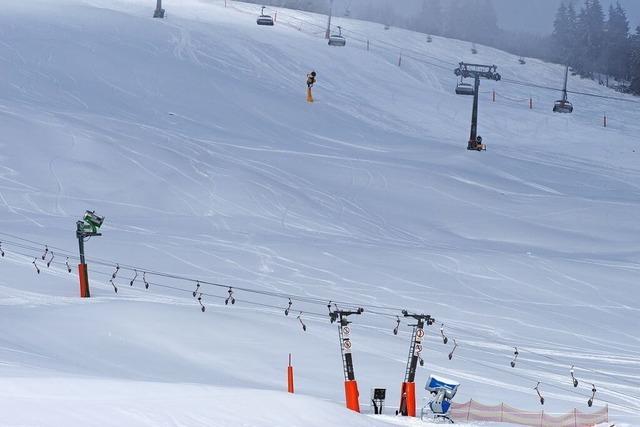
<point>635,63</point>
<point>561,34</point>
<point>617,45</point>
<point>590,38</point>
<point>454,22</point>
<point>572,22</point>
<point>485,28</point>
<point>430,18</point>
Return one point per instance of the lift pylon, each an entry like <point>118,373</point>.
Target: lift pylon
<point>159,12</point>
<point>327,33</point>
<point>476,71</point>
<point>344,332</point>
<point>408,392</point>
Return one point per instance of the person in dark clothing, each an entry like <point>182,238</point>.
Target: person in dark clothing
<point>311,79</point>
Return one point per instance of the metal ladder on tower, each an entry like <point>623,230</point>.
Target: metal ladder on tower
<point>412,349</point>
<point>342,354</point>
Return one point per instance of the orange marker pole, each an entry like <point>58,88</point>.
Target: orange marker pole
<point>352,395</point>
<point>290,376</point>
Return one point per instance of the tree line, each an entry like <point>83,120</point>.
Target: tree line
<point>595,44</point>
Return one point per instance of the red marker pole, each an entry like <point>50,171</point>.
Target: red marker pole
<point>290,376</point>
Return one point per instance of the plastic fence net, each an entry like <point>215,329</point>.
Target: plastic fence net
<point>474,411</point>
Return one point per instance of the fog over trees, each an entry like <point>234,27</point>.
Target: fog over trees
<point>595,42</point>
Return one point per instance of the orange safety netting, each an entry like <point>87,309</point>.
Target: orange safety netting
<point>474,411</point>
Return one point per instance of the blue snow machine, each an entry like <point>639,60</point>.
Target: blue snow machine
<point>442,391</point>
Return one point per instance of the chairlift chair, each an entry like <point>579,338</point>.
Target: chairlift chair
<point>429,39</point>
<point>522,61</point>
<point>337,39</point>
<point>264,19</point>
<point>474,50</point>
<point>465,89</point>
<point>563,105</point>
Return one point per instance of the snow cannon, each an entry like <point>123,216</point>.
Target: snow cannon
<point>92,222</point>
<point>442,391</point>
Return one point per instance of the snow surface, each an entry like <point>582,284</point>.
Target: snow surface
<point>193,137</point>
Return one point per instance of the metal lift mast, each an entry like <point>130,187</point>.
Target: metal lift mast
<point>159,12</point>
<point>476,71</point>
<point>344,332</point>
<point>408,392</point>
<point>327,34</point>
<point>564,88</point>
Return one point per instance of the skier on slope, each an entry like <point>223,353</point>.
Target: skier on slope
<point>311,79</point>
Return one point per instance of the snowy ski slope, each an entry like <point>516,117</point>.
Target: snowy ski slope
<point>192,136</point>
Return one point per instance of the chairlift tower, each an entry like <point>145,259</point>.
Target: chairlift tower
<point>159,12</point>
<point>344,332</point>
<point>476,71</point>
<point>327,33</point>
<point>408,392</point>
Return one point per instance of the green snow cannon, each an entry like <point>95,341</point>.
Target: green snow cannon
<point>92,223</point>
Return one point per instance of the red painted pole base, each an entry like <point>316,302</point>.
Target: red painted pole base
<point>410,389</point>
<point>84,281</point>
<point>290,379</point>
<point>408,400</point>
<point>352,395</point>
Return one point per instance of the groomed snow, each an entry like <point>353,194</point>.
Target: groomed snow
<point>193,137</point>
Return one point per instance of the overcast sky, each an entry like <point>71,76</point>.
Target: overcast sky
<point>536,16</point>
